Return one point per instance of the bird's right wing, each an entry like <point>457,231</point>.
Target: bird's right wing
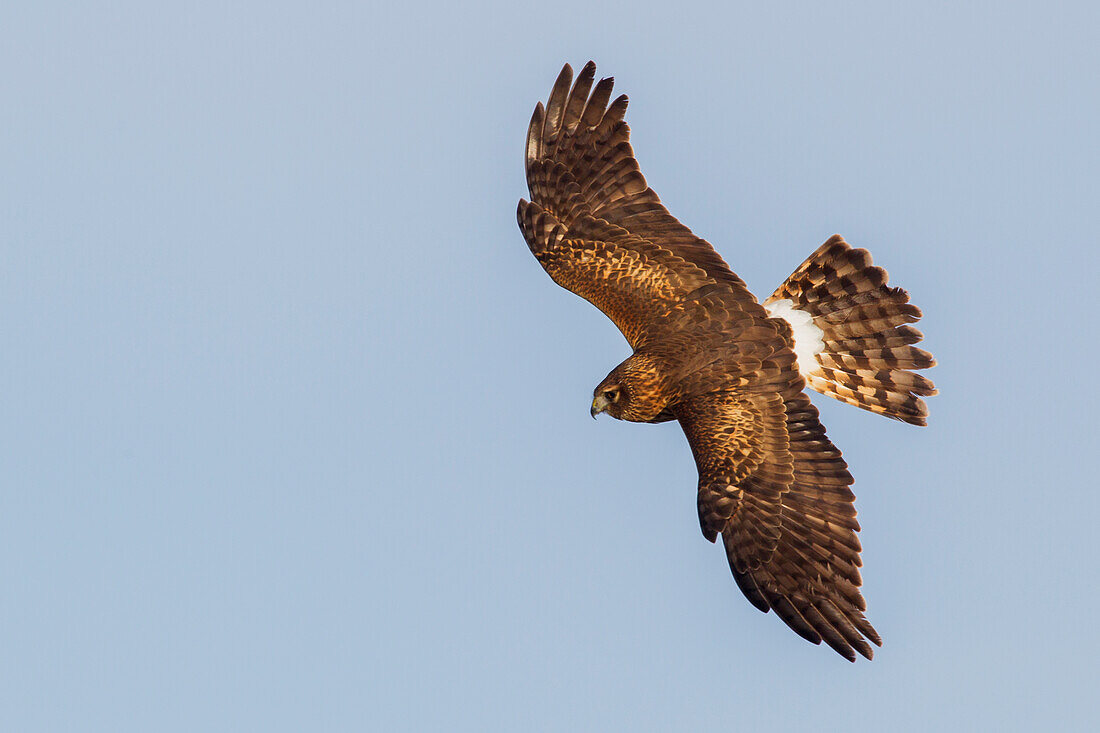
<point>596,226</point>
<point>777,490</point>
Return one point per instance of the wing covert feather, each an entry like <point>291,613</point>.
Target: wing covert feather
<point>634,282</point>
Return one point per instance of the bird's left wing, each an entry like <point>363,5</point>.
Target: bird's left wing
<point>777,490</point>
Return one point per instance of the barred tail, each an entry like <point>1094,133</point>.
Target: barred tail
<point>851,335</point>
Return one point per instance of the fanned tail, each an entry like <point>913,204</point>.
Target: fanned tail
<point>851,333</point>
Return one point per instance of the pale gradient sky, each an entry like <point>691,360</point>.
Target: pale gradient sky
<point>295,431</point>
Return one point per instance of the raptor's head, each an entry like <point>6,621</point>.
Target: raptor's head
<point>635,390</point>
<point>609,397</point>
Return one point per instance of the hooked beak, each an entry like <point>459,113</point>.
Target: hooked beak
<point>599,404</point>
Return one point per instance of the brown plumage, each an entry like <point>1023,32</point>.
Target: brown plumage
<point>868,346</point>
<point>707,354</point>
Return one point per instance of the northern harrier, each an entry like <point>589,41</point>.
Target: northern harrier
<point>731,370</point>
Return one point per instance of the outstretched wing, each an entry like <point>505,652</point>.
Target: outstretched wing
<point>595,225</point>
<point>777,490</point>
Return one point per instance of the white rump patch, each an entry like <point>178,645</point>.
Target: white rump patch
<point>809,340</point>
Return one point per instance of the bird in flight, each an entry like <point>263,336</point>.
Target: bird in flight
<point>733,371</point>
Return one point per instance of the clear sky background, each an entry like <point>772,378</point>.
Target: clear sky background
<point>295,430</point>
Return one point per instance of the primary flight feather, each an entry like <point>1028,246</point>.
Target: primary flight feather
<point>731,370</point>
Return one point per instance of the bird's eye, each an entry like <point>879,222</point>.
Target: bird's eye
<point>612,395</point>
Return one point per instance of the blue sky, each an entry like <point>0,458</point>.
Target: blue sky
<point>296,431</point>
